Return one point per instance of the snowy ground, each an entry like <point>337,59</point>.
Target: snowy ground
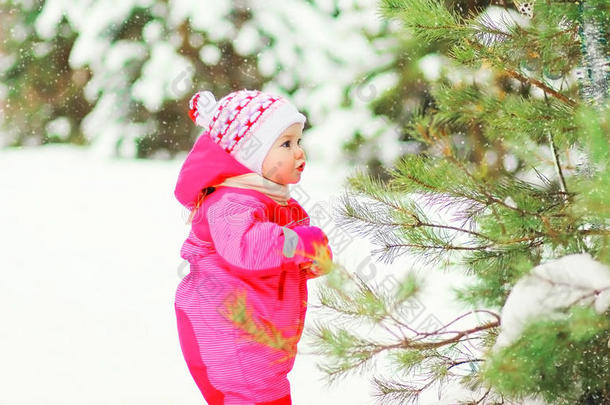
<point>90,260</point>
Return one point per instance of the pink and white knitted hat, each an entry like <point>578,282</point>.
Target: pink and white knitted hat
<point>245,123</point>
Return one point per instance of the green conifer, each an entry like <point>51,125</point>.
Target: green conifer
<point>537,191</point>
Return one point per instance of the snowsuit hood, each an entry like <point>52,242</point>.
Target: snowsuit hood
<point>206,165</point>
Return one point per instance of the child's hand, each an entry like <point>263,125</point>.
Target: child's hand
<point>305,265</point>
<point>321,266</point>
<point>311,268</point>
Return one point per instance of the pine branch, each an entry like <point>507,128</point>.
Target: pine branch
<point>595,232</point>
<point>541,86</point>
<point>422,240</point>
<point>482,195</point>
<point>439,247</point>
<point>437,331</point>
<point>395,391</point>
<point>556,163</point>
<point>432,12</point>
<point>453,228</point>
<point>455,339</point>
<point>445,25</point>
<point>439,370</point>
<point>480,400</point>
<point>459,362</point>
<point>416,220</point>
<point>520,77</point>
<point>348,353</point>
<point>491,198</point>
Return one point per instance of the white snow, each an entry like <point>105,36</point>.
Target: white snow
<point>121,53</point>
<point>166,75</point>
<point>551,286</point>
<point>152,31</point>
<point>500,19</point>
<point>248,39</point>
<point>210,54</point>
<point>60,127</point>
<point>431,65</point>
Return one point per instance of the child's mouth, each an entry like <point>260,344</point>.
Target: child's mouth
<point>301,167</point>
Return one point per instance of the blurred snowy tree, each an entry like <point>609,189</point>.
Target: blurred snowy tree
<point>41,96</point>
<point>138,62</point>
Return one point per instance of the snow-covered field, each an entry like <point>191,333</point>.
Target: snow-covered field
<point>90,262</point>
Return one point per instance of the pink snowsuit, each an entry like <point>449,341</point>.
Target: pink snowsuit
<point>236,244</point>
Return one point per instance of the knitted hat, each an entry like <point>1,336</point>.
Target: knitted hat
<point>245,123</point>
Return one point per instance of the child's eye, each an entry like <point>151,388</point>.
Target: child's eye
<point>287,143</point>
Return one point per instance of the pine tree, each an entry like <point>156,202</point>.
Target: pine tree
<point>540,193</point>
<point>396,102</point>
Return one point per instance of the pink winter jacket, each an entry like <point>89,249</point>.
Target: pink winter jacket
<point>236,243</point>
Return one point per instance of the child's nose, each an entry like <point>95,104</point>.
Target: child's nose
<point>300,153</point>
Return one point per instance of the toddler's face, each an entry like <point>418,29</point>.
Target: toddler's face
<point>285,160</point>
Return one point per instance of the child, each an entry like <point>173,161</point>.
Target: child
<point>241,309</point>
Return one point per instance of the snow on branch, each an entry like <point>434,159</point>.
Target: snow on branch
<point>551,287</point>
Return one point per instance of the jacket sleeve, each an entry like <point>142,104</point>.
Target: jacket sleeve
<point>244,236</point>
